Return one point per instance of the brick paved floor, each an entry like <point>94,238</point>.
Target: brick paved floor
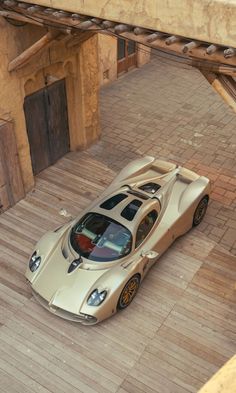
<point>172,113</point>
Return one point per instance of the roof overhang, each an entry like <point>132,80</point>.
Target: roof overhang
<point>201,54</point>
<point>211,21</point>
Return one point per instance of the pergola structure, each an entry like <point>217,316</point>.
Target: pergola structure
<point>217,62</point>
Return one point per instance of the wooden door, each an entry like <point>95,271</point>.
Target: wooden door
<point>47,125</point>
<point>59,143</point>
<point>11,185</point>
<point>126,55</point>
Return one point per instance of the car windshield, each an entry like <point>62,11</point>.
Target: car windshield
<point>100,238</point>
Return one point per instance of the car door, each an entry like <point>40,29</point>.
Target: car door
<point>144,239</point>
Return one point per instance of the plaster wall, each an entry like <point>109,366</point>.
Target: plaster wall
<point>78,64</point>
<point>108,57</point>
<point>211,21</point>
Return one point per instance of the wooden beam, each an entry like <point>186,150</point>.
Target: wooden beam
<point>172,39</point>
<point>119,29</point>
<point>25,56</point>
<point>197,53</point>
<point>20,18</point>
<point>139,30</point>
<point>220,87</point>
<point>107,24</point>
<point>34,8</point>
<point>212,49</point>
<point>190,45</point>
<point>203,65</point>
<point>85,25</point>
<point>153,37</point>
<point>96,21</point>
<point>10,3</point>
<point>230,52</point>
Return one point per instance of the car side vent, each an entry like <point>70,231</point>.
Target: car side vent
<point>150,188</point>
<point>64,252</point>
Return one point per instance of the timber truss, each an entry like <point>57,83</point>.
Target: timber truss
<point>217,63</point>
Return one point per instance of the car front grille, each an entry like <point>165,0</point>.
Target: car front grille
<point>83,318</point>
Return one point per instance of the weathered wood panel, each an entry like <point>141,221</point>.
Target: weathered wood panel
<point>59,143</point>
<point>11,185</point>
<point>47,125</point>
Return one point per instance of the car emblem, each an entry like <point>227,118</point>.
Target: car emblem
<point>74,264</point>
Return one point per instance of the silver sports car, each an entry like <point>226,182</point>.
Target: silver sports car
<point>91,267</point>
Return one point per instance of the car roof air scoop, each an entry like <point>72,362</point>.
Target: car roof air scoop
<point>74,264</point>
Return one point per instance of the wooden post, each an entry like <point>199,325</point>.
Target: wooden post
<point>217,84</point>
<point>25,56</point>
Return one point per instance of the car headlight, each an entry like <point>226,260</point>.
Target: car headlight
<point>34,262</point>
<point>96,297</point>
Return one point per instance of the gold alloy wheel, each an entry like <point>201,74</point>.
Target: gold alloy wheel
<point>200,211</point>
<point>129,292</point>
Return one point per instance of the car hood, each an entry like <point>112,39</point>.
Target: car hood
<point>62,289</point>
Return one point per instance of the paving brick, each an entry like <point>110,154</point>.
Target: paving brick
<point>229,237</point>
<point>230,195</point>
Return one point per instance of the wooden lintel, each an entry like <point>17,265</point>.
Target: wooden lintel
<point>25,56</point>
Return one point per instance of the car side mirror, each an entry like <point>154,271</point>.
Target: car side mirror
<point>149,254</point>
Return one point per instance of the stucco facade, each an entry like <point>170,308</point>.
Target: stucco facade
<point>77,64</point>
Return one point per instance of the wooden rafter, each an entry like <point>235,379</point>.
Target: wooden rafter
<point>225,86</point>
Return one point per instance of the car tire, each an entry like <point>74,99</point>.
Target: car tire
<point>200,211</point>
<point>128,292</point>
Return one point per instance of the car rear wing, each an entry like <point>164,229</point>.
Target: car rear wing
<point>187,176</point>
<point>163,167</point>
